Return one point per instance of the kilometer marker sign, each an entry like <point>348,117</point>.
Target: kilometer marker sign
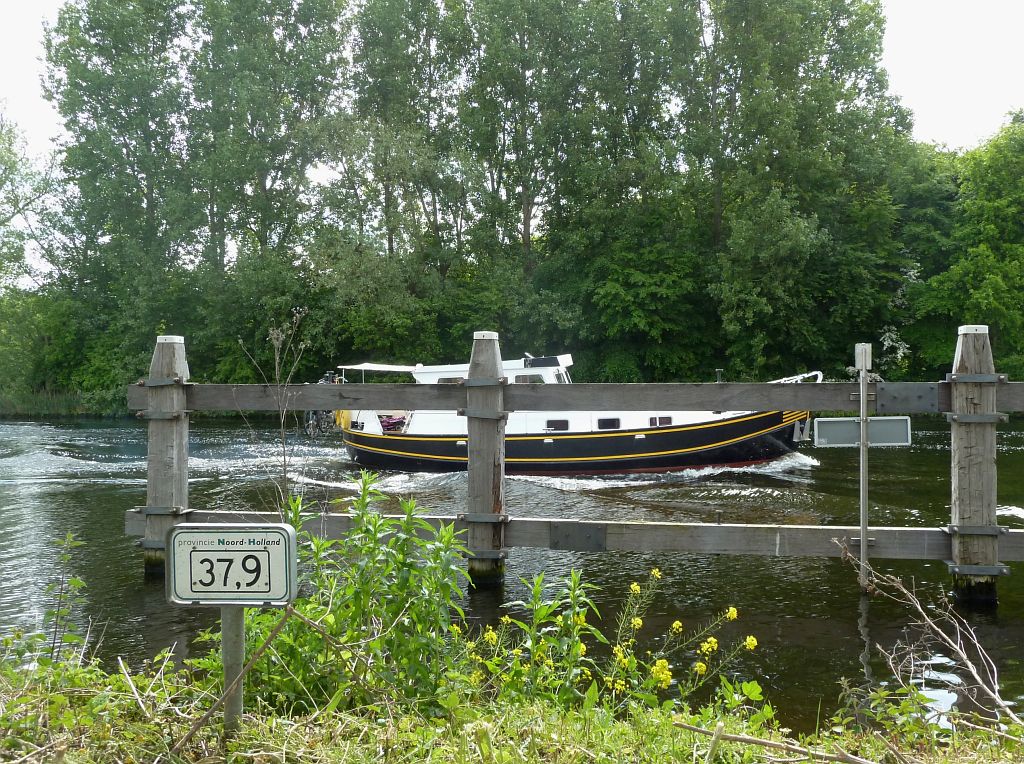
<point>231,564</point>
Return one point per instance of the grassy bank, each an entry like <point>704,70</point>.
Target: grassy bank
<point>87,715</point>
<point>377,663</point>
<point>26,403</point>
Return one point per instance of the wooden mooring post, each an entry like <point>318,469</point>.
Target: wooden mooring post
<point>974,529</point>
<point>485,416</point>
<point>167,454</point>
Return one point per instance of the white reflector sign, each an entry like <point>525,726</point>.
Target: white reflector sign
<point>231,564</point>
<point>835,432</point>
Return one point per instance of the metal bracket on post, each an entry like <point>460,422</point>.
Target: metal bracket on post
<point>467,517</point>
<point>975,530</point>
<point>163,382</point>
<point>156,544</point>
<point>501,519</point>
<point>977,418</point>
<point>487,554</point>
<point>479,414</point>
<point>484,381</point>
<point>999,569</point>
<point>982,378</point>
<point>163,510</point>
<point>162,415</point>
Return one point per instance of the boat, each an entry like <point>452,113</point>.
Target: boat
<point>566,442</point>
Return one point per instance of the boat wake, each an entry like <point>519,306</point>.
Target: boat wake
<point>787,465</point>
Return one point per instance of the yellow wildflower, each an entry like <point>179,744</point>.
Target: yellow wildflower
<point>583,649</point>
<point>709,646</point>
<point>455,629</point>
<point>731,614</point>
<point>636,623</point>
<point>505,620</point>
<point>634,587</point>
<point>750,642</point>
<point>516,652</point>
<point>656,574</point>
<point>476,677</point>
<point>677,627</point>
<point>580,619</point>
<point>620,656</point>
<point>661,673</point>
<point>490,636</point>
<point>700,668</point>
<point>620,685</point>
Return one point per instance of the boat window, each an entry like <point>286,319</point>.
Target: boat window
<point>529,379</point>
<point>557,424</point>
<point>660,421</point>
<point>608,424</point>
<point>561,378</point>
<point>450,381</point>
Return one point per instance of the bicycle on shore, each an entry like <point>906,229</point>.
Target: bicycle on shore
<point>321,422</point>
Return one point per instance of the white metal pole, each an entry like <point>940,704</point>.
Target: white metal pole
<point>863,362</point>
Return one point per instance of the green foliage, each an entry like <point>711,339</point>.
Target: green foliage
<point>371,628</point>
<point>557,653</point>
<point>662,190</point>
<point>984,280</point>
<point>21,187</point>
<point>66,593</point>
<point>903,711</point>
<point>377,656</point>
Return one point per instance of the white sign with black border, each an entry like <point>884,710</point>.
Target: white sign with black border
<point>841,432</point>
<point>231,564</point>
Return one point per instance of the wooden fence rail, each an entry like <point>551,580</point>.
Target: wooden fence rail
<point>889,543</point>
<point>883,398</point>
<point>973,397</point>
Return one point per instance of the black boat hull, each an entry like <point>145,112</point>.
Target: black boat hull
<point>745,439</point>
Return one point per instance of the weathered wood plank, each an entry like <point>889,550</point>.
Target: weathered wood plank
<point>167,451</point>
<point>889,543</point>
<point>725,396</point>
<point>314,397</point>
<point>973,455</point>
<point>486,478</point>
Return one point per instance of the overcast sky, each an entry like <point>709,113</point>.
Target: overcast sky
<point>957,64</point>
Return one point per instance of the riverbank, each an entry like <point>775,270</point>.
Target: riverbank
<point>32,404</point>
<point>87,716</point>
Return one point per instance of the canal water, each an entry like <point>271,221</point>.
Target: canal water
<point>807,615</point>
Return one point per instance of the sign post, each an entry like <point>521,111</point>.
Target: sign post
<point>862,431</point>
<point>231,566</point>
<point>862,356</point>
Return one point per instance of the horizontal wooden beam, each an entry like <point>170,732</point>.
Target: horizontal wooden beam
<point>886,543</point>
<point>713,396</point>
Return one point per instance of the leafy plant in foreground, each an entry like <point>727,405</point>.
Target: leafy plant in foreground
<point>373,626</point>
<point>545,656</point>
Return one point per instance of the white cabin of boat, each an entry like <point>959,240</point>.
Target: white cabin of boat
<point>549,370</point>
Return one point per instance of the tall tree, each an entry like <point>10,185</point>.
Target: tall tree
<point>23,195</point>
<point>264,78</point>
<point>985,280</point>
<point>788,102</point>
<point>114,76</point>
